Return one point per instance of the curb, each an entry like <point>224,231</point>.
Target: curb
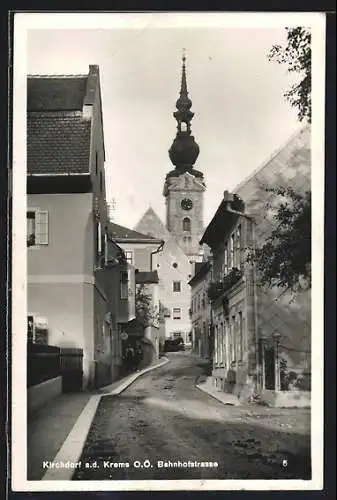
<point>70,452</point>
<point>124,385</point>
<point>218,398</point>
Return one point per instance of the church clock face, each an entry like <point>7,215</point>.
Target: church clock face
<point>186,204</point>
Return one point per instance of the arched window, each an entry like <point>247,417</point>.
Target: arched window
<point>186,224</point>
<point>183,126</point>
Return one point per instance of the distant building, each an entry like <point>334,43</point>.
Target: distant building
<point>70,293</point>
<point>262,338</point>
<point>184,189</point>
<point>142,252</point>
<point>201,309</point>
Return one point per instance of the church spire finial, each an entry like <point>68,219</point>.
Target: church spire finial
<point>184,150</point>
<point>183,88</point>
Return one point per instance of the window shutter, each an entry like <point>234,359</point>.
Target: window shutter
<point>42,230</point>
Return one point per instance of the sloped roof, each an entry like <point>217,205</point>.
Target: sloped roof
<point>57,143</point>
<point>59,93</point>
<point>151,224</point>
<point>290,164</point>
<point>58,135</point>
<point>299,137</point>
<point>200,270</point>
<point>119,233</point>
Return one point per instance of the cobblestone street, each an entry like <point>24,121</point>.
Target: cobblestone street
<point>162,417</point>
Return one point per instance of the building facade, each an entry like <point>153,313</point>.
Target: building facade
<point>142,252</point>
<point>261,336</point>
<point>67,240</point>
<point>201,309</point>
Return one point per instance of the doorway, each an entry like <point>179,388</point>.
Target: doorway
<point>269,367</point>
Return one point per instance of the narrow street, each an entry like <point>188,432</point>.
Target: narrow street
<point>162,417</point>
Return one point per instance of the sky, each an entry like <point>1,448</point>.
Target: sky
<point>241,116</point>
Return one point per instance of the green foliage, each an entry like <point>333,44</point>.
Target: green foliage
<point>145,313</point>
<point>284,260</point>
<point>297,56</point>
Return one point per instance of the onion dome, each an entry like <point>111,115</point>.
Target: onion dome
<point>184,150</point>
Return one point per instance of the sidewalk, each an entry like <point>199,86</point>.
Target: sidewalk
<point>58,430</point>
<point>223,397</point>
<point>48,428</point>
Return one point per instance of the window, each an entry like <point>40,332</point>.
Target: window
<point>176,335</point>
<point>98,240</point>
<point>96,163</point>
<point>232,251</point>
<point>225,265</point>
<point>240,353</point>
<point>167,313</point>
<point>176,313</point>
<point>124,283</point>
<point>232,339</point>
<point>225,343</point>
<point>186,224</point>
<point>238,246</point>
<point>216,343</point>
<point>221,339</point>
<point>101,181</point>
<point>183,126</point>
<point>37,227</point>
<point>129,256</point>
<point>176,286</point>
<point>30,329</point>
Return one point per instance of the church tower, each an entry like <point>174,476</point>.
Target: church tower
<point>184,186</point>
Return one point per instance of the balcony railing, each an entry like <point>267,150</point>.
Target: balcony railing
<point>232,278</point>
<point>215,289</point>
<point>218,288</point>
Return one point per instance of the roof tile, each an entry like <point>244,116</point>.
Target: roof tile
<point>57,143</point>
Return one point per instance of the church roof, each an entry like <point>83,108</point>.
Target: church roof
<point>121,233</point>
<point>151,224</point>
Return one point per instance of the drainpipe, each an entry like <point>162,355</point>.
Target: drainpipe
<point>159,249</point>
<point>252,221</point>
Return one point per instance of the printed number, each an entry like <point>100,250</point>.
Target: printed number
<point>285,463</point>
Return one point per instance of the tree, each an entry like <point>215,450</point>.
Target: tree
<point>297,55</point>
<point>284,260</point>
<point>145,312</point>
